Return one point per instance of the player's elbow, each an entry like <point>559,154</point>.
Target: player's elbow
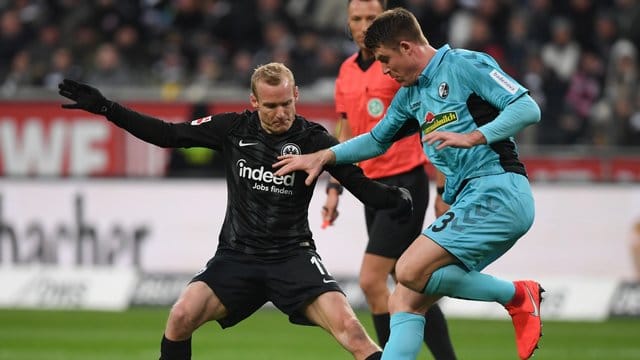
<point>532,113</point>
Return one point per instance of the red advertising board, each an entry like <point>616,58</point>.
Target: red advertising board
<point>42,139</point>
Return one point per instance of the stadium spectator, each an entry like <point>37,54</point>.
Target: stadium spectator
<point>171,68</point>
<point>562,52</point>
<point>474,110</point>
<point>62,66</point>
<point>539,18</point>
<point>266,251</point>
<point>496,13</point>
<point>209,74</point>
<point>621,88</point>
<point>40,51</point>
<point>328,16</point>
<point>141,32</point>
<point>13,39</point>
<point>436,20</point>
<point>623,76</point>
<point>131,47</point>
<point>516,46</point>
<point>19,74</point>
<point>583,17</point>
<point>277,38</point>
<point>604,34</point>
<point>85,45</point>
<point>627,13</point>
<point>362,95</point>
<point>585,88</point>
<point>305,54</point>
<point>109,69</point>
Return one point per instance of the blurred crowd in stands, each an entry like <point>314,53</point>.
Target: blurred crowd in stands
<point>579,58</point>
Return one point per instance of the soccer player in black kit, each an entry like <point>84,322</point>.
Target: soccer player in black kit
<point>266,251</point>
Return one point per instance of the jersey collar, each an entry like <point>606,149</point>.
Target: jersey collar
<point>430,70</point>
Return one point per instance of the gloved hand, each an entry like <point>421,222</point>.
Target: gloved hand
<point>86,97</point>
<point>403,211</point>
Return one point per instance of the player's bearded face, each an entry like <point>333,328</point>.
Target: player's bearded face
<point>276,105</point>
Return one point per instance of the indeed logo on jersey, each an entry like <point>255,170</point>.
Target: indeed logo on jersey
<point>265,178</point>
<point>432,122</point>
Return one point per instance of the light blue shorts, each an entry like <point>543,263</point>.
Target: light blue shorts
<point>489,215</point>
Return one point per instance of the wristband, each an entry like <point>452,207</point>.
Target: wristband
<point>334,185</point>
<point>440,190</point>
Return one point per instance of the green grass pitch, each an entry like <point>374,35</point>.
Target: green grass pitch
<point>135,334</point>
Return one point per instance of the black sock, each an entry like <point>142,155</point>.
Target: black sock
<point>381,324</point>
<point>436,335</point>
<point>375,356</point>
<point>175,350</point>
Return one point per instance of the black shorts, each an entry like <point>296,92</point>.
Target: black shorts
<point>244,283</point>
<point>388,237</point>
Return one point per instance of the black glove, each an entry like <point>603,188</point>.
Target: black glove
<point>86,97</point>
<point>403,211</point>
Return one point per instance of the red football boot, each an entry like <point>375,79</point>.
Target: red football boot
<point>524,309</point>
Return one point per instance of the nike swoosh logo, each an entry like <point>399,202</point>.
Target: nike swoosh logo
<point>328,281</point>
<point>242,143</point>
<point>536,311</point>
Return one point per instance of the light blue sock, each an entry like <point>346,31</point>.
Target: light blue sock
<point>455,281</point>
<point>405,341</point>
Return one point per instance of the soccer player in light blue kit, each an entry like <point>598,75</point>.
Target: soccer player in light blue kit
<point>468,111</point>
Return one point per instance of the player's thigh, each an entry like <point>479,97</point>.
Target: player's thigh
<point>490,214</point>
<point>238,283</point>
<point>200,303</point>
<point>421,259</point>
<point>297,281</point>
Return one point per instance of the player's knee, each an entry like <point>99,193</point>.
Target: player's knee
<point>354,331</point>
<point>372,285</point>
<point>410,276</point>
<point>396,303</point>
<point>181,320</point>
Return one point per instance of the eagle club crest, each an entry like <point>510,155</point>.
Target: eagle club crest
<point>443,90</point>
<point>290,149</point>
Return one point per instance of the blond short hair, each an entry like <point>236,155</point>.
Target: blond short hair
<point>272,74</point>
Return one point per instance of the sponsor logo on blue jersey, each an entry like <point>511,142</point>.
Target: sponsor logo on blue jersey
<point>432,122</point>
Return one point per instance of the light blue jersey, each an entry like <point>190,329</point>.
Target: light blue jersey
<point>491,202</point>
<point>458,91</point>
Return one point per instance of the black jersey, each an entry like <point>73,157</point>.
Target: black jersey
<point>266,215</point>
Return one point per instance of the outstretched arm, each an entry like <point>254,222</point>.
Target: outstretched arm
<point>354,150</point>
<point>142,126</point>
<point>147,128</point>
